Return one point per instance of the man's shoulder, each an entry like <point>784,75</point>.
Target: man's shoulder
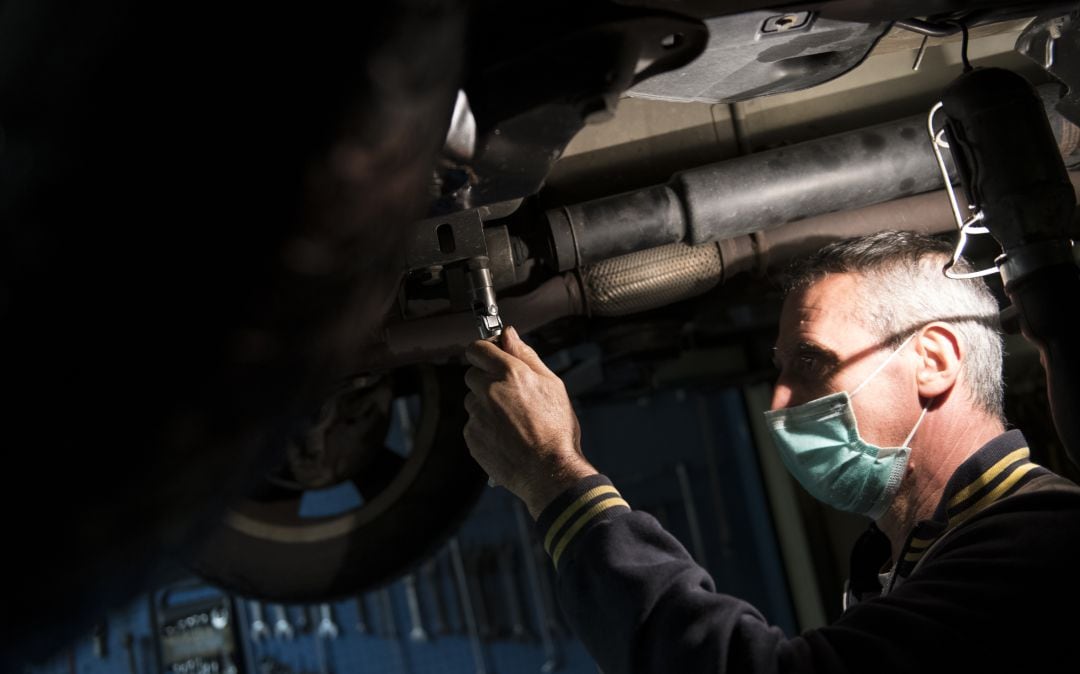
<point>1042,512</point>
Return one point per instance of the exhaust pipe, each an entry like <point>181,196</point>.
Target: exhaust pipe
<point>765,190</point>
<point>648,279</point>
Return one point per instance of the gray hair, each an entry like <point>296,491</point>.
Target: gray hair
<point>905,289</point>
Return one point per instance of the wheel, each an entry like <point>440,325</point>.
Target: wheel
<point>388,461</point>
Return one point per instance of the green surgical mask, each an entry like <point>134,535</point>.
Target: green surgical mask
<point>819,443</point>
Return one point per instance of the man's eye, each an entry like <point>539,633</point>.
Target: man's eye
<point>810,364</point>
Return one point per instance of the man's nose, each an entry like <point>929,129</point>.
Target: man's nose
<point>781,396</point>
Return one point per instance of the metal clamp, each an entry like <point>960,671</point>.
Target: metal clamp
<point>1020,262</point>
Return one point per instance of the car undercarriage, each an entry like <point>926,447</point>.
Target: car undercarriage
<point>243,258</point>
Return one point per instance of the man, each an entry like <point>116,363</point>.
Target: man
<point>889,404</point>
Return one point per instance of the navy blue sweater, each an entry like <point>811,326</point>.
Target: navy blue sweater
<point>990,583</point>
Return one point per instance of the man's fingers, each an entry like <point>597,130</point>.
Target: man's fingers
<point>479,412</point>
<point>478,381</point>
<point>489,358</point>
<point>511,342</point>
<point>472,404</point>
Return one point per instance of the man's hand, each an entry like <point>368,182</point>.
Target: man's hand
<point>522,429</point>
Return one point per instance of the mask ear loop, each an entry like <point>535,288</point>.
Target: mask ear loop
<point>969,227</point>
<point>881,367</point>
<point>907,440</point>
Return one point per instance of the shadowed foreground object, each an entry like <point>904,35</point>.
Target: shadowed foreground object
<point>197,215</point>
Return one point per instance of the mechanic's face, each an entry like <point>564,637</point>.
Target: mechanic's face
<point>823,348</point>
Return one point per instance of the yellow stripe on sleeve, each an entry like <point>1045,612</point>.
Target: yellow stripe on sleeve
<point>572,509</point>
<point>585,518</point>
<point>914,556</point>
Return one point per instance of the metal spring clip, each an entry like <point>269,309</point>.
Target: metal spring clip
<point>968,227</point>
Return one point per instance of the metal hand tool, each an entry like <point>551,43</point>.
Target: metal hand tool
<point>362,625</point>
<point>475,586</point>
<point>322,659</point>
<point>712,465</point>
<point>696,539</point>
<point>259,629</point>
<point>505,562</point>
<point>482,298</point>
<point>300,619</point>
<point>389,620</point>
<point>434,590</point>
<point>552,661</point>
<point>149,655</point>
<point>327,629</point>
<point>283,629</point>
<point>547,586</point>
<point>101,639</point>
<point>128,642</point>
<point>456,603</point>
<point>416,618</point>
<point>219,617</point>
<point>467,606</point>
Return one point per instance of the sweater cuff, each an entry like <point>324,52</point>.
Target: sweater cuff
<point>581,507</point>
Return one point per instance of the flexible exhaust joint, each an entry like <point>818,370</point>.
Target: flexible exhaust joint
<point>651,278</point>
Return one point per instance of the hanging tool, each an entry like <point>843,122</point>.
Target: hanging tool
<point>283,629</point>
<point>696,538</point>
<point>100,639</point>
<point>327,628</point>
<point>552,661</point>
<point>362,624</point>
<point>416,619</point>
<point>128,642</point>
<point>506,564</point>
<point>300,619</point>
<point>475,586</point>
<point>259,628</point>
<point>465,599</point>
<point>388,619</point>
<point>433,582</point>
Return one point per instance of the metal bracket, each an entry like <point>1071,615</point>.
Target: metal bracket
<point>437,242</point>
<point>1053,41</point>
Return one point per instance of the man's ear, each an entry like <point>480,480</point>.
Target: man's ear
<point>940,354</point>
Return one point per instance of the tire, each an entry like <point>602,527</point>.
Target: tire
<point>265,549</point>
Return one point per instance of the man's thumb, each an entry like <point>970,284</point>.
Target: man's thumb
<point>512,344</point>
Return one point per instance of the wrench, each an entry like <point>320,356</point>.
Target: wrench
<point>283,629</point>
<point>300,619</point>
<point>412,597</point>
<point>474,585</point>
<point>434,587</point>
<point>389,621</point>
<point>361,615</point>
<point>467,606</point>
<point>259,629</point>
<point>148,655</point>
<point>328,629</point>
<point>552,661</point>
<point>128,642</point>
<point>505,562</point>
<point>696,539</point>
<point>219,617</point>
<point>101,639</point>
